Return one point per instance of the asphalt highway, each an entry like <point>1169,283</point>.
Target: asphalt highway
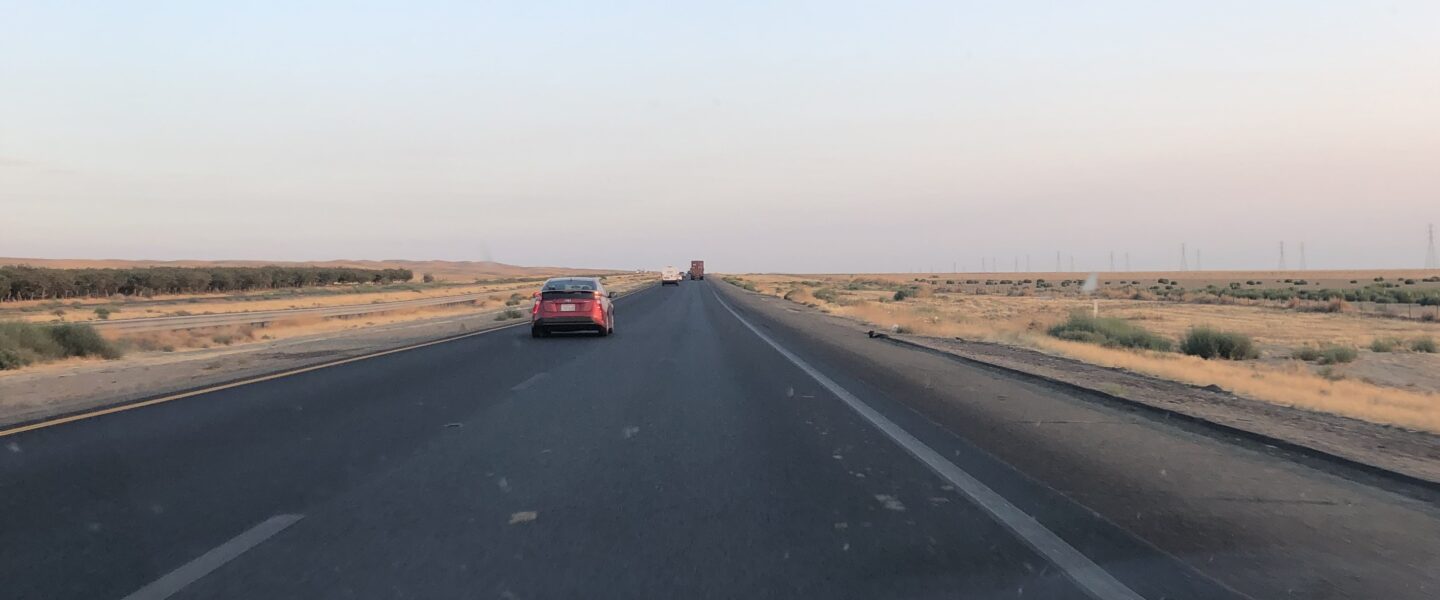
<point>716,446</point>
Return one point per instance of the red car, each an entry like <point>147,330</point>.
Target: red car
<point>572,304</point>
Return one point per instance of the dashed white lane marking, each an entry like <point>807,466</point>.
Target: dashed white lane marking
<point>192,571</point>
<point>1096,582</point>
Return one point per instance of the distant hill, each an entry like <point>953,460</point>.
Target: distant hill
<point>449,270</point>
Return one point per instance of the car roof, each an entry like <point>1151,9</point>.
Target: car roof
<point>572,283</point>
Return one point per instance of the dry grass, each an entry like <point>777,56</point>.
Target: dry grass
<point>1288,385</point>
<point>444,270</point>
<point>84,310</point>
<point>1022,321</point>
<point>178,340</point>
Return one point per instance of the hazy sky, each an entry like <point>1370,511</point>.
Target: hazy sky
<point>806,136</point>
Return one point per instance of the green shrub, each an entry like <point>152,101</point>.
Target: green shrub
<point>1306,353</point>
<point>826,294</point>
<point>11,358</point>
<point>102,313</point>
<point>509,313</point>
<point>1423,344</point>
<point>1108,331</point>
<point>1384,344</point>
<point>1330,355</point>
<point>1089,337</point>
<point>25,343</point>
<point>1209,343</point>
<point>78,339</point>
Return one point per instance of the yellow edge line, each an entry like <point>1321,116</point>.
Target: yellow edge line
<point>234,384</point>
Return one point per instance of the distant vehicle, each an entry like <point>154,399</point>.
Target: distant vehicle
<point>670,276</point>
<point>572,304</point>
<point>697,269</point>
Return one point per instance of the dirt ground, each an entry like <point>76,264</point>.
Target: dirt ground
<point>1413,453</point>
<point>81,310</point>
<point>1396,388</point>
<point>444,270</point>
<point>49,389</point>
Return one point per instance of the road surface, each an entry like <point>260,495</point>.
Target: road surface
<point>718,446</point>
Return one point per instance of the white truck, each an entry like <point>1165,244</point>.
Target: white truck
<point>670,276</point>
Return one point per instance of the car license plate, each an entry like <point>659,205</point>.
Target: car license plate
<point>567,308</point>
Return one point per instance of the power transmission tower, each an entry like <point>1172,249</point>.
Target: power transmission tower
<point>1127,260</point>
<point>1027,263</point>
<point>1017,265</point>
<point>1432,261</point>
<point>1197,261</point>
<point>1057,262</point>
<point>1282,256</point>
<point>1072,262</point>
<point>1302,256</point>
<point>1184,266</point>
<point>1112,261</point>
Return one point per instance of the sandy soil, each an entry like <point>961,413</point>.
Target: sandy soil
<point>1412,453</point>
<point>80,310</point>
<point>442,269</point>
<point>1389,388</point>
<point>50,389</point>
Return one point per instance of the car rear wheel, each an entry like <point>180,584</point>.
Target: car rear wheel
<point>538,332</point>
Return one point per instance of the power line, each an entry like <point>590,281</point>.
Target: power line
<point>1184,266</point>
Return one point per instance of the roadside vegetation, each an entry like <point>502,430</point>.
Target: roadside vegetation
<point>36,283</point>
<point>1324,355</point>
<point>1111,332</point>
<point>1206,342</point>
<point>23,344</point>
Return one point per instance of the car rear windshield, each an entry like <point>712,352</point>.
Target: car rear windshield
<point>570,285</point>
<point>558,294</point>
<point>569,288</point>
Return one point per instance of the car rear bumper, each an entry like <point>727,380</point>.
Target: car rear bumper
<point>569,323</point>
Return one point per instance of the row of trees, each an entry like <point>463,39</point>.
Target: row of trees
<point>35,283</point>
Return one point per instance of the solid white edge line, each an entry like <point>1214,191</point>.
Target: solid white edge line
<point>192,571</point>
<point>1096,581</point>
